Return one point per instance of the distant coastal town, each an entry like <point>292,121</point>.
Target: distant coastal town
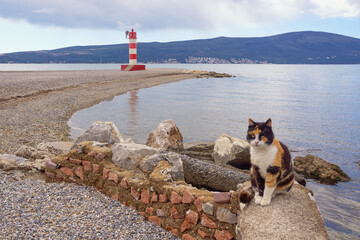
<point>211,60</point>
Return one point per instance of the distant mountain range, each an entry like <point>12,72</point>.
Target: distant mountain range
<point>289,48</point>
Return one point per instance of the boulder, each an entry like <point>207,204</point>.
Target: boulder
<point>12,162</point>
<point>176,171</point>
<point>26,152</point>
<point>295,213</point>
<point>202,150</point>
<point>317,168</point>
<point>166,136</point>
<point>101,132</point>
<point>129,155</point>
<point>232,151</point>
<point>55,148</point>
<point>211,176</point>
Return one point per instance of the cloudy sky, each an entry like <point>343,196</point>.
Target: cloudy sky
<point>49,24</point>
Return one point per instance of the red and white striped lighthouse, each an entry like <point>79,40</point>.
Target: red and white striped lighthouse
<point>133,66</point>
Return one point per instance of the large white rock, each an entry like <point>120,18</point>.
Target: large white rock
<point>233,151</point>
<point>129,155</point>
<point>166,136</point>
<point>101,132</point>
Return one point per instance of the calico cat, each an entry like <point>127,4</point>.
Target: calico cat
<point>271,170</point>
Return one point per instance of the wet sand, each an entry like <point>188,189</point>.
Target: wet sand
<point>36,106</point>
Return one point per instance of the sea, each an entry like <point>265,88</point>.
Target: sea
<point>315,109</point>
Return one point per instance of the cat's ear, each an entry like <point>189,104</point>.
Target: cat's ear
<point>268,122</point>
<point>251,122</point>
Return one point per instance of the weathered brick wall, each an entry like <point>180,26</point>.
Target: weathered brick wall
<point>176,206</point>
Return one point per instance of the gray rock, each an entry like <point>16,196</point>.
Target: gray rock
<point>101,132</point>
<point>232,151</point>
<point>225,215</point>
<point>176,171</point>
<point>11,162</point>
<point>202,150</point>
<point>300,219</point>
<point>208,208</point>
<point>211,176</point>
<point>129,155</point>
<point>166,136</point>
<point>55,148</point>
<point>26,152</point>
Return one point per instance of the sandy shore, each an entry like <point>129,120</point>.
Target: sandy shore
<point>36,106</point>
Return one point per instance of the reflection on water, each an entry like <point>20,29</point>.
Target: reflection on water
<point>315,109</point>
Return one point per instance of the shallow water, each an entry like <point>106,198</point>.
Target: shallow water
<point>314,109</point>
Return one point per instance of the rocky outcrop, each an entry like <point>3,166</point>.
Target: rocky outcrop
<point>129,155</point>
<point>290,216</point>
<point>11,162</point>
<point>204,174</point>
<point>232,151</point>
<point>166,136</point>
<point>202,150</point>
<point>317,168</point>
<point>101,132</point>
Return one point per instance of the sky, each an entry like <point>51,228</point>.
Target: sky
<point>27,25</point>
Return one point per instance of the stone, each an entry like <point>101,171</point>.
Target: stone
<point>202,233</point>
<point>160,213</point>
<point>113,177</point>
<point>129,155</point>
<point>145,196</point>
<point>87,165</point>
<point>202,150</point>
<point>99,156</point>
<point>124,184</point>
<point>198,203</point>
<point>101,132</point>
<point>115,197</point>
<point>26,152</point>
<point>55,148</point>
<point>79,172</point>
<point>187,237</point>
<point>175,198</point>
<point>96,168</point>
<point>50,174</point>
<point>232,151</point>
<point>300,219</point>
<point>174,231</point>
<point>208,208</point>
<point>156,220</point>
<point>188,197</point>
<point>166,136</point>
<point>11,162</point>
<point>50,164</point>
<point>207,222</point>
<point>149,210</point>
<point>174,213</point>
<point>154,197</point>
<point>76,161</point>
<point>205,174</point>
<point>163,198</point>
<point>225,215</point>
<point>105,174</point>
<point>184,226</point>
<point>222,197</point>
<point>317,168</point>
<point>192,217</point>
<point>176,172</point>
<point>223,235</point>
<point>40,164</point>
<point>67,171</point>
<point>135,193</point>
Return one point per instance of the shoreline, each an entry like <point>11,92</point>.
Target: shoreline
<point>35,106</point>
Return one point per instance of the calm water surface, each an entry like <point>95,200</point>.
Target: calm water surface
<point>314,108</point>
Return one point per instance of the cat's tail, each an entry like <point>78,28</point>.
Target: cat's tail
<point>245,196</point>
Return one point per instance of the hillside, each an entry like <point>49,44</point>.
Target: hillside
<point>289,48</point>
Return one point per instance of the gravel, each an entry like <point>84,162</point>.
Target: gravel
<point>34,209</point>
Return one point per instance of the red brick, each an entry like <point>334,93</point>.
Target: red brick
<point>91,154</point>
<point>145,196</point>
<point>67,171</point>
<point>175,198</point>
<point>76,161</point>
<point>60,177</point>
<point>115,197</point>
<point>99,189</point>
<point>142,214</point>
<point>154,197</point>
<point>188,197</point>
<point>198,203</point>
<point>160,213</point>
<point>174,231</point>
<point>202,233</point>
<point>99,156</point>
<point>222,197</point>
<point>223,235</point>
<point>124,203</point>
<point>80,173</point>
<point>49,174</point>
<point>135,193</point>
<point>87,165</point>
<point>113,177</point>
<point>187,237</point>
<point>66,158</point>
<point>192,217</point>
<point>174,213</point>
<point>156,220</point>
<point>163,198</point>
<point>124,183</point>
<point>184,226</point>
<point>96,168</point>
<point>105,173</point>
<point>149,210</point>
<point>207,222</point>
<point>51,164</point>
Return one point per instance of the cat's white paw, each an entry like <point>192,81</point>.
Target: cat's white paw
<point>265,201</point>
<point>258,199</point>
